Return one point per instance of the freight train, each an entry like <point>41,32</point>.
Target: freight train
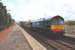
<point>49,27</point>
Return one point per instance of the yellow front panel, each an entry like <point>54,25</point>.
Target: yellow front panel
<point>61,27</point>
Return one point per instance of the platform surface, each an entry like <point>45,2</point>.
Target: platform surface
<point>12,39</point>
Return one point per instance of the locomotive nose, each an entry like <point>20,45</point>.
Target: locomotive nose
<point>57,28</point>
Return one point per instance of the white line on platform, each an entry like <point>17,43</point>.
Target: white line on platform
<point>33,43</point>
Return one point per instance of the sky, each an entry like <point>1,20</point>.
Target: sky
<point>24,10</point>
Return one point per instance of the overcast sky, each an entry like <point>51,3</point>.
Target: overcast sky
<point>23,10</point>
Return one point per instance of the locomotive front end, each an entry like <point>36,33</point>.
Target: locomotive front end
<point>57,26</point>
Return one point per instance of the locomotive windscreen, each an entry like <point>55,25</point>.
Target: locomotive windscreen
<point>60,22</point>
<point>57,21</point>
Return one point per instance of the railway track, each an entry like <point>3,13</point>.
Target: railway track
<point>39,38</point>
<point>51,44</point>
<point>69,41</point>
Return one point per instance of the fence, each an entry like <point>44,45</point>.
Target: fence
<point>70,29</point>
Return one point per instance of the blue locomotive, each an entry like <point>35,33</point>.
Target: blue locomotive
<point>53,26</point>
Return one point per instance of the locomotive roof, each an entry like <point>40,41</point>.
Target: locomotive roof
<point>50,19</point>
<point>58,17</point>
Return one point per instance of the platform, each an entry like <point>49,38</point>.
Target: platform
<point>69,35</point>
<point>15,38</point>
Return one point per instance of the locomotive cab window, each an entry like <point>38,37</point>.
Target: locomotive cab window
<point>60,21</point>
<point>57,21</point>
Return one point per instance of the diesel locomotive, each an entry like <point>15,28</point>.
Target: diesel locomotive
<point>52,27</point>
